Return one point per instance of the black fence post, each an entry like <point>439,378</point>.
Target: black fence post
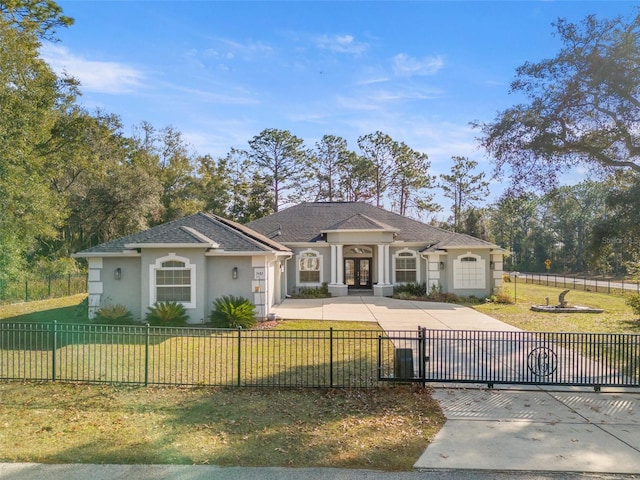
<point>146,354</point>
<point>54,348</point>
<point>379,357</point>
<point>422,353</point>
<point>331,357</point>
<point>239,354</point>
<point>68,284</point>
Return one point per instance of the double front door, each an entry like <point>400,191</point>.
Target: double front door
<point>357,272</point>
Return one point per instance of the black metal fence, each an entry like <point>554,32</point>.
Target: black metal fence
<point>39,288</point>
<point>600,285</point>
<point>516,357</point>
<point>190,356</point>
<point>313,358</point>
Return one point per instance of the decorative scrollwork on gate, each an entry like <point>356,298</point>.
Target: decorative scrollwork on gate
<point>542,361</point>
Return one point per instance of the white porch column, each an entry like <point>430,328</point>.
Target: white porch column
<point>387,266</point>
<point>337,288</point>
<point>383,288</point>
<point>334,265</point>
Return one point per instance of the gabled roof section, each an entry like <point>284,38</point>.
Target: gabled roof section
<point>201,230</point>
<point>361,222</point>
<point>306,222</point>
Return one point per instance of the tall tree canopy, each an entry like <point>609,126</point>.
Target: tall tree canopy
<point>40,18</point>
<point>463,187</point>
<point>32,100</point>
<point>280,158</point>
<point>583,106</point>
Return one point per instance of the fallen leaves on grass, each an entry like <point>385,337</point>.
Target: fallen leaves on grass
<point>382,428</point>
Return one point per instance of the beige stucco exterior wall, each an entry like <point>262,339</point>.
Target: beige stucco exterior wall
<point>125,291</point>
<point>220,281</point>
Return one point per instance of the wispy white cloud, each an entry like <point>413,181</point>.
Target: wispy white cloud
<point>227,49</point>
<point>402,94</point>
<point>341,44</point>
<point>373,80</point>
<point>94,76</point>
<point>404,65</point>
<point>219,98</point>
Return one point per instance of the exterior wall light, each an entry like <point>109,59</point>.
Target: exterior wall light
<point>234,272</point>
<point>117,273</point>
<point>441,265</point>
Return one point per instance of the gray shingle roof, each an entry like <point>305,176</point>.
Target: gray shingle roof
<point>360,222</point>
<point>305,222</point>
<point>201,229</point>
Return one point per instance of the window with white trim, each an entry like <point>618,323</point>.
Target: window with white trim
<point>406,266</point>
<point>309,267</point>
<point>172,279</point>
<point>469,271</point>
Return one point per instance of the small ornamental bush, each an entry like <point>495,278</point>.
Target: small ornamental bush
<point>410,290</point>
<point>167,314</point>
<point>502,297</point>
<point>633,301</point>
<point>114,315</point>
<point>314,292</point>
<point>233,312</point>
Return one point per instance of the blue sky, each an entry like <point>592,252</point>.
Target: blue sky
<point>221,72</point>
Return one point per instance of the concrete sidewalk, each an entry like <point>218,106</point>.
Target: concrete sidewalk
<point>511,429</point>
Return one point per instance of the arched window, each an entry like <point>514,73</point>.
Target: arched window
<point>405,266</point>
<point>469,271</point>
<point>310,267</point>
<point>172,279</point>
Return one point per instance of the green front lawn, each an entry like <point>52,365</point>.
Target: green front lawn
<point>63,310</point>
<point>382,428</point>
<point>616,318</point>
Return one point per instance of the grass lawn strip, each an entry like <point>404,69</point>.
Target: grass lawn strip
<point>383,428</point>
<point>617,317</point>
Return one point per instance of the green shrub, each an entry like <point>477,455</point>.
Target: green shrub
<point>633,300</point>
<point>471,299</point>
<point>410,290</point>
<point>435,293</point>
<point>449,298</point>
<point>315,292</point>
<point>233,312</point>
<point>167,314</point>
<point>114,315</point>
<point>502,297</point>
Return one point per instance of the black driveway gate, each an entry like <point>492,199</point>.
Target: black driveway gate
<point>505,357</point>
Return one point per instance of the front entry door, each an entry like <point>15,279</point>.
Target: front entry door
<point>357,272</point>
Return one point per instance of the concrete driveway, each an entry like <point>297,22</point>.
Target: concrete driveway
<point>390,313</point>
<point>506,429</point>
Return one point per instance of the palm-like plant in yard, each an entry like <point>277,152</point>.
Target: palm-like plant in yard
<point>233,312</point>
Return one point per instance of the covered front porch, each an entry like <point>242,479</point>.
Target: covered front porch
<point>361,268</point>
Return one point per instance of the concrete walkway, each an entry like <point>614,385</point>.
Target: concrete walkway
<point>511,429</point>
